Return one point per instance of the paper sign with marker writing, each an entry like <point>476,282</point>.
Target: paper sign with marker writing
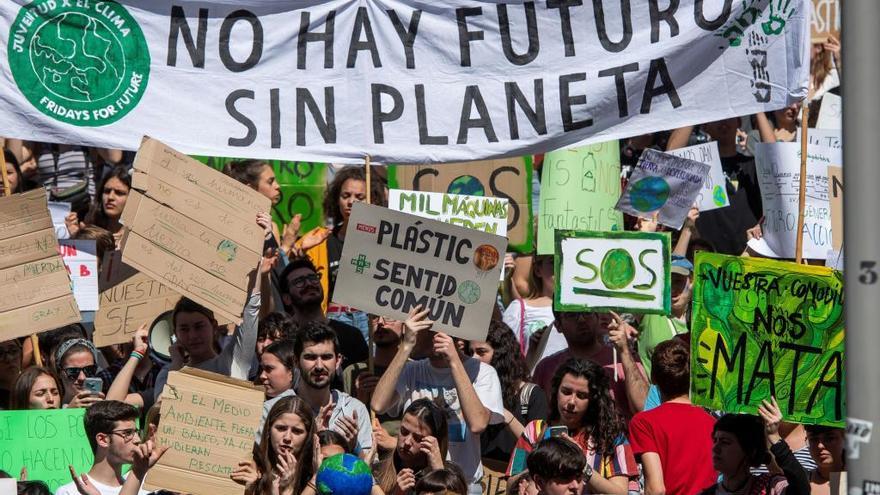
<point>487,214</point>
<point>663,183</point>
<point>208,421</point>
<point>829,138</point>
<point>763,328</point>
<point>619,271</point>
<point>193,228</point>
<point>394,261</point>
<point>714,192</point>
<point>579,188</point>
<point>831,112</point>
<point>81,260</point>
<point>778,166</point>
<point>509,178</point>
<point>45,441</point>
<point>36,286</point>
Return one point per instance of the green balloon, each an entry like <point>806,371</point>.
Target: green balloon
<point>618,269</point>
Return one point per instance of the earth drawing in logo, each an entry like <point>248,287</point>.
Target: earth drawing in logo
<point>82,62</point>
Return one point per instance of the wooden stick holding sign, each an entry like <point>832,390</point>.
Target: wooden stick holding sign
<point>371,364</point>
<point>7,191</point>
<point>802,188</point>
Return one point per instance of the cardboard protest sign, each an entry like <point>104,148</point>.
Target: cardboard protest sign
<point>520,81</point>
<point>663,183</point>
<point>714,192</point>
<point>81,260</point>
<point>509,178</point>
<point>579,188</point>
<point>208,421</point>
<point>825,20</point>
<point>193,228</point>
<point>763,328</point>
<point>46,441</point>
<point>830,112</point>
<point>619,271</point>
<point>393,261</point>
<point>302,190</point>
<point>37,294</point>
<point>487,214</point>
<point>835,176</point>
<point>778,166</point>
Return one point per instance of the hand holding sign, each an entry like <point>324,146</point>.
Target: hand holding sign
<point>417,321</point>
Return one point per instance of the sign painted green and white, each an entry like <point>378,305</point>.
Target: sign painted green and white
<point>488,214</point>
<point>763,328</point>
<point>84,63</point>
<point>601,271</point>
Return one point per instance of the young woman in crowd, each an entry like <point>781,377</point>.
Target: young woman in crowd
<point>740,443</point>
<point>76,360</point>
<point>37,388</point>
<point>523,401</point>
<point>13,175</point>
<point>285,458</point>
<point>421,445</point>
<point>582,410</point>
<point>277,365</point>
<point>827,449</point>
<point>527,315</point>
<point>106,210</point>
<point>447,480</point>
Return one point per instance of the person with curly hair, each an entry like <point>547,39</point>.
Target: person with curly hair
<point>523,401</point>
<point>583,411</point>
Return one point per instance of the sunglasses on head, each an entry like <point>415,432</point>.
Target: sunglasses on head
<point>73,372</point>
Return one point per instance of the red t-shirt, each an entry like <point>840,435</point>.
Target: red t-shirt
<point>681,434</point>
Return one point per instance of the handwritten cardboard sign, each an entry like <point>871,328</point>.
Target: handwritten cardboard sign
<point>778,166</point>
<point>764,328</point>
<point>81,260</point>
<point>192,228</point>
<point>663,183</point>
<point>36,286</point>
<point>46,441</point>
<point>599,271</point>
<point>835,177</point>
<point>302,189</point>
<point>393,261</point>
<point>508,178</point>
<point>208,421</point>
<point>579,188</point>
<point>714,192</point>
<point>488,214</point>
<point>825,20</point>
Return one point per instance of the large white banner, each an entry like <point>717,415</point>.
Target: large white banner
<point>399,80</point>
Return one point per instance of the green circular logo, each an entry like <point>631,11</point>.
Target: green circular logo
<point>469,292</point>
<point>82,62</point>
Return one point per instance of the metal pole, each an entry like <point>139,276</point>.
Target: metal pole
<point>861,120</point>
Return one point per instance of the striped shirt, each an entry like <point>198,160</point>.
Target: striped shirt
<point>803,457</point>
<point>72,168</point>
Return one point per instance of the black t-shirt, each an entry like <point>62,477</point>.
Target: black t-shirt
<point>334,253</point>
<point>726,227</point>
<point>497,442</point>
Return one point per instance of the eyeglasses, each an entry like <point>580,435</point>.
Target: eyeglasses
<point>300,282</point>
<point>73,372</point>
<point>126,434</point>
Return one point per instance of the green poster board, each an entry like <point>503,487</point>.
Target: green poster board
<point>579,189</point>
<point>762,327</point>
<point>46,441</point>
<point>302,189</point>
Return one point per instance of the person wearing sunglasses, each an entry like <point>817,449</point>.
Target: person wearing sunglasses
<point>76,360</point>
<point>115,441</point>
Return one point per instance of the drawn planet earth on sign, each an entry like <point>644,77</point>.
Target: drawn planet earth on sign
<point>469,292</point>
<point>719,196</point>
<point>649,194</point>
<point>618,269</point>
<point>226,250</point>
<point>344,474</point>
<point>466,184</point>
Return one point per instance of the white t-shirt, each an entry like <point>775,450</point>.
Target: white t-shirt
<point>70,489</point>
<point>419,379</point>
<point>536,318</point>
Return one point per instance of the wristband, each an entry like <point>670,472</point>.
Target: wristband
<point>137,355</point>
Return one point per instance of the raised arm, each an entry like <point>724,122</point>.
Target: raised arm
<point>476,415</point>
<point>385,394</point>
<point>119,388</point>
<point>765,128</point>
<point>678,138</point>
<point>636,383</point>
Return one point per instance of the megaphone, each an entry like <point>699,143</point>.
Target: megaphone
<point>161,337</point>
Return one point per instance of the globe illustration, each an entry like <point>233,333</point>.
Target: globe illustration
<point>719,195</point>
<point>77,58</point>
<point>344,474</point>
<point>466,184</point>
<point>649,194</point>
<point>618,269</point>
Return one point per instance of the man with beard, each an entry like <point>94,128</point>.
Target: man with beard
<point>467,388</point>
<point>317,360</point>
<point>302,295</point>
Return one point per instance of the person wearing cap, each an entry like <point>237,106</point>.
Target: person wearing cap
<point>654,329</point>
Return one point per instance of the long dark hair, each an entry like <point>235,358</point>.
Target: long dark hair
<point>265,456</point>
<point>601,421</point>
<point>331,195</point>
<point>97,215</point>
<point>507,360</point>
<point>21,391</point>
<point>246,171</point>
